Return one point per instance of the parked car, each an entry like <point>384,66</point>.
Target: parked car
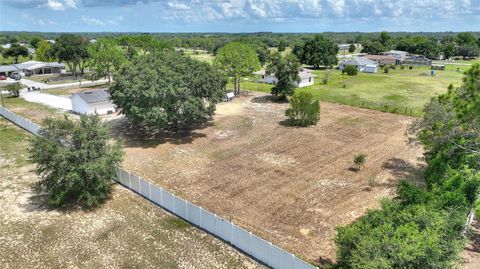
<point>15,76</point>
<point>2,77</point>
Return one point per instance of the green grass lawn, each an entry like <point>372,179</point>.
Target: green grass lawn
<point>397,92</point>
<point>204,57</point>
<point>11,60</point>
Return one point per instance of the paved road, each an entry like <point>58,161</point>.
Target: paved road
<point>30,83</point>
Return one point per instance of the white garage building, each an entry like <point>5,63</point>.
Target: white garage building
<point>91,102</point>
<point>306,77</point>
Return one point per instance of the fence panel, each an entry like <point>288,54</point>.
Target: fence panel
<point>167,200</point>
<point>125,178</point>
<point>193,214</point>
<point>135,183</point>
<point>223,228</point>
<point>260,249</point>
<point>144,188</point>
<point>281,259</point>
<point>207,220</point>
<point>241,238</point>
<point>300,264</point>
<point>118,174</point>
<point>180,207</point>
<point>156,194</point>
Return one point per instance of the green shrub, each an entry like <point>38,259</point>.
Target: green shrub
<point>351,70</point>
<point>386,69</point>
<point>402,67</point>
<point>359,160</point>
<point>392,66</point>
<point>304,109</point>
<point>75,160</point>
<point>410,67</point>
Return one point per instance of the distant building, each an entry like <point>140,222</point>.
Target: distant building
<point>399,55</point>
<point>51,41</point>
<point>361,63</point>
<point>306,77</point>
<point>382,59</point>
<point>417,60</point>
<point>91,102</point>
<point>32,68</point>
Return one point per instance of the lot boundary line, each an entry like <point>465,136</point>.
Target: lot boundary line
<point>243,240</point>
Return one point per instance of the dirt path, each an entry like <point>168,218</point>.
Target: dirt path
<point>292,186</point>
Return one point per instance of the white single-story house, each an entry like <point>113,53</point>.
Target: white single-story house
<point>91,102</point>
<point>32,68</point>
<point>306,77</point>
<point>361,63</point>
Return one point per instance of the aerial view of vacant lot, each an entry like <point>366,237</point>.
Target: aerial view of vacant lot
<point>289,185</point>
<point>126,232</point>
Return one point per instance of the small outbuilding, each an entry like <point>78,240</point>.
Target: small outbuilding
<point>306,77</point>
<point>91,102</point>
<point>361,63</point>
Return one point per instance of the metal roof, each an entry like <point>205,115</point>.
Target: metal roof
<point>359,61</point>
<point>95,96</point>
<point>7,68</point>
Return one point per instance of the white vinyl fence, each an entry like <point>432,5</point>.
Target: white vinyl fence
<point>247,242</point>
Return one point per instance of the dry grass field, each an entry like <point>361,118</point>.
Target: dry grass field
<point>289,185</point>
<point>126,232</point>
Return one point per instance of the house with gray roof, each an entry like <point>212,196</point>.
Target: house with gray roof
<point>362,64</point>
<point>32,68</point>
<point>91,102</point>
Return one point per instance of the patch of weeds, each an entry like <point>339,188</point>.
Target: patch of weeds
<point>174,223</point>
<point>106,233</point>
<point>349,120</point>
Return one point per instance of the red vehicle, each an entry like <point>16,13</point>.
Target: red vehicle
<point>2,77</point>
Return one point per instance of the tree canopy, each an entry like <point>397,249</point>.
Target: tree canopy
<point>71,49</point>
<point>105,56</point>
<point>319,51</point>
<point>166,89</point>
<point>286,70</point>
<point>15,51</point>
<point>75,160</point>
<point>44,51</point>
<point>236,60</point>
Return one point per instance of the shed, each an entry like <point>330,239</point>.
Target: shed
<point>91,102</point>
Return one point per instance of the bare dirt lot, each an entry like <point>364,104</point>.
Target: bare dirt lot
<point>289,185</point>
<point>126,232</point>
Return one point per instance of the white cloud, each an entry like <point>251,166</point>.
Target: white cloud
<point>92,21</point>
<point>61,4</point>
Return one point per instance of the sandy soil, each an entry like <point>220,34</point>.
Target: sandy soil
<point>471,254</point>
<point>126,232</point>
<point>289,185</point>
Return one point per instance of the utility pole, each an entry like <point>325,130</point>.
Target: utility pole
<point>1,96</point>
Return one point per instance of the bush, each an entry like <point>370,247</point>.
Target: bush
<point>386,69</point>
<point>304,110</point>
<point>359,160</point>
<point>410,67</point>
<point>351,70</point>
<point>402,67</point>
<point>75,160</point>
<point>14,89</point>
<point>392,66</point>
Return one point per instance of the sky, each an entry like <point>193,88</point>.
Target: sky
<point>239,15</point>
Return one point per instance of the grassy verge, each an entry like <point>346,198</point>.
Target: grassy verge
<point>13,142</point>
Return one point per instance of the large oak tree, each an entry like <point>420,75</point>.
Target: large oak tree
<point>167,89</point>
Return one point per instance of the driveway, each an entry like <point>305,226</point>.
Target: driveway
<point>30,83</point>
<point>51,100</point>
